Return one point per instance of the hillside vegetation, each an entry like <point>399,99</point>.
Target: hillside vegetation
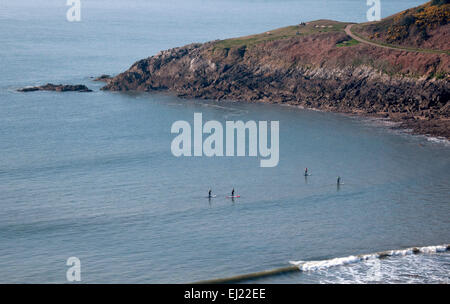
<point>423,27</point>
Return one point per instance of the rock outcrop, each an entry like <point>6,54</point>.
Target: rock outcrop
<point>104,78</point>
<point>57,87</point>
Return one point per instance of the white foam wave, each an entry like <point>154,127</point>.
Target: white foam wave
<point>439,140</point>
<point>324,264</point>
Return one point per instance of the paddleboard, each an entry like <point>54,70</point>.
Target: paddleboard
<point>212,196</point>
<point>236,196</point>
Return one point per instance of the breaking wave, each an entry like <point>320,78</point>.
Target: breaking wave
<point>439,140</point>
<point>324,264</point>
<point>309,267</point>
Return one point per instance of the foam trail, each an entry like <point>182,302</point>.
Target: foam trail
<point>324,264</point>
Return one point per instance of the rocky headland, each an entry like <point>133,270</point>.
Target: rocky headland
<point>320,65</point>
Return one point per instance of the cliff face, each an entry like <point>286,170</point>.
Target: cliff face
<point>314,65</point>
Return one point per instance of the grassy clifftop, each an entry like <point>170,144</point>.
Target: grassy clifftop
<point>325,43</point>
<point>423,27</point>
<point>294,31</point>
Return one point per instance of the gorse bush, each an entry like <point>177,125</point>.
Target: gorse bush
<point>408,20</point>
<point>424,18</point>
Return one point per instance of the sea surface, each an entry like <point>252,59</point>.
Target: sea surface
<point>92,176</point>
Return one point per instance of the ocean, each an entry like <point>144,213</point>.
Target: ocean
<point>92,176</point>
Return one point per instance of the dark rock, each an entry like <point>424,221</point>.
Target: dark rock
<point>57,88</point>
<point>103,77</point>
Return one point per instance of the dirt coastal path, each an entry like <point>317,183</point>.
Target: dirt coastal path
<point>348,31</point>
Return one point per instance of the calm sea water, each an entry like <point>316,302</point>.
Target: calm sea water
<point>91,175</point>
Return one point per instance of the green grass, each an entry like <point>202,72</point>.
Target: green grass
<point>348,43</point>
<point>248,41</point>
<point>316,27</point>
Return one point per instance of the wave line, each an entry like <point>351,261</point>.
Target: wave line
<point>305,266</point>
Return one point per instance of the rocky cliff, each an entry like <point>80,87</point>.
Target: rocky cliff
<point>314,65</point>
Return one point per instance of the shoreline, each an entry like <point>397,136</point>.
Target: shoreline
<point>395,124</point>
<point>416,127</point>
<point>317,82</point>
<point>398,123</point>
